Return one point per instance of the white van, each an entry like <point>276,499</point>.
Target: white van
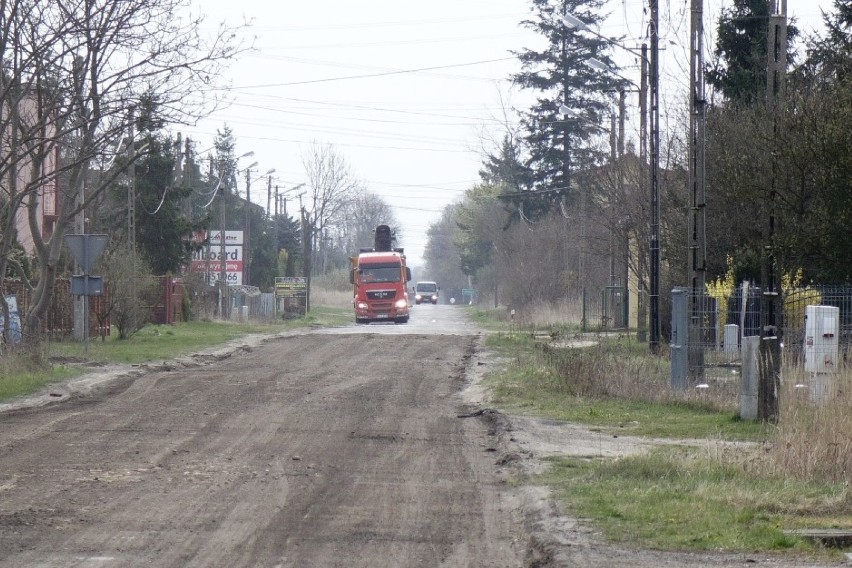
<point>426,291</point>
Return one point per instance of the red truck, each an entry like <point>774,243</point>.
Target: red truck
<point>379,276</point>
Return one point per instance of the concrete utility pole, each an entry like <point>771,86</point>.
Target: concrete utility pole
<point>223,273</point>
<point>654,296</point>
<point>641,290</point>
<point>247,239</point>
<point>771,314</point>
<point>697,232</point>
<point>131,205</point>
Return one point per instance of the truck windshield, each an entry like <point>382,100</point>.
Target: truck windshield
<point>381,273</point>
<point>427,288</point>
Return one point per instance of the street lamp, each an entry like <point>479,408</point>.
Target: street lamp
<point>573,22</point>
<point>282,195</point>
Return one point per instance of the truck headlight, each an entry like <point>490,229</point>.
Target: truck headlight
<point>418,297</point>
<point>401,304</point>
<point>362,305</point>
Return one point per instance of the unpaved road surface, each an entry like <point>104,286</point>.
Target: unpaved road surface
<point>364,446</point>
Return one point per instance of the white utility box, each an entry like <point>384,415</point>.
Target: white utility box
<point>822,337</point>
<point>732,339</point>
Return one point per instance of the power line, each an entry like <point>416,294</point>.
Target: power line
<point>369,75</point>
<point>381,120</point>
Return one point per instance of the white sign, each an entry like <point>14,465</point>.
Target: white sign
<point>214,254</point>
<point>232,278</point>
<point>231,237</point>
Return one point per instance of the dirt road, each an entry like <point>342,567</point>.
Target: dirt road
<point>362,446</point>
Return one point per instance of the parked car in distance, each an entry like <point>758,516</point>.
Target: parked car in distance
<point>426,291</point>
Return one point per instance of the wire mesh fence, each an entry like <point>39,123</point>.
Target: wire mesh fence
<point>605,309</point>
<point>708,331</point>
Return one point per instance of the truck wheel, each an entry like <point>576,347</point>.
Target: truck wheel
<point>360,321</point>
<point>401,320</point>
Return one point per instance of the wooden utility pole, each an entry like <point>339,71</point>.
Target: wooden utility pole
<point>771,313</point>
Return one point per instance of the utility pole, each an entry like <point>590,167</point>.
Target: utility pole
<point>131,208</point>
<point>624,223</point>
<point>642,290</point>
<point>654,296</point>
<point>771,315</point>
<point>223,273</point>
<point>697,232</point>
<point>247,239</point>
<point>207,267</point>
<point>275,229</point>
<point>307,251</point>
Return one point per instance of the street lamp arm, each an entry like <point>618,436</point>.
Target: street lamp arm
<point>601,66</point>
<point>576,23</point>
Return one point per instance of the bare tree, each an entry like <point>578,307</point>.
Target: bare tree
<point>73,73</point>
<point>331,187</point>
<point>365,212</point>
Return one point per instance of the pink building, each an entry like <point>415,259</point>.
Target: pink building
<point>48,201</point>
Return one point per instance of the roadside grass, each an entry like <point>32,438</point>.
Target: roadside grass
<point>739,490</point>
<point>494,319</point>
<point>23,373</point>
<point>612,385</point>
<point>502,320</point>
<point>676,499</point>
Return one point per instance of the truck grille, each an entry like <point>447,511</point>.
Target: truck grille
<point>381,294</point>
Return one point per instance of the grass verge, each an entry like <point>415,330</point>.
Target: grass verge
<point>24,374</point>
<point>611,384</point>
<point>672,499</point>
<point>735,497</point>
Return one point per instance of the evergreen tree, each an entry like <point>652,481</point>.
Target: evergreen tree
<point>830,58</point>
<point>505,167</point>
<point>164,226</point>
<point>163,230</point>
<point>561,75</point>
<point>740,69</point>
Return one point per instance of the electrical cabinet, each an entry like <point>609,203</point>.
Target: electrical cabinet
<point>822,337</point>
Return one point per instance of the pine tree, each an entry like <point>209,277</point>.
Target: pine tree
<point>561,75</point>
<point>740,69</point>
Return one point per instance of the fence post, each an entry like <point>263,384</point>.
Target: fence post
<point>680,339</point>
<point>749,377</point>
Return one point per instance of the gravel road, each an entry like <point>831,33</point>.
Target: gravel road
<point>357,446</point>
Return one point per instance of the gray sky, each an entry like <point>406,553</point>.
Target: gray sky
<point>409,93</point>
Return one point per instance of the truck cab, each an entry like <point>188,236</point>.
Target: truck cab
<point>380,289</point>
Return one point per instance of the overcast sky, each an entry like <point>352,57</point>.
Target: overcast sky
<point>410,93</point>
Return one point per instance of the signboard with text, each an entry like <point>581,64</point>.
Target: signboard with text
<point>208,260</point>
<point>232,278</point>
<point>291,287</point>
<point>231,237</point>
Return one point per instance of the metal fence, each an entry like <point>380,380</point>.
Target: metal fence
<point>707,331</point>
<point>607,309</point>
